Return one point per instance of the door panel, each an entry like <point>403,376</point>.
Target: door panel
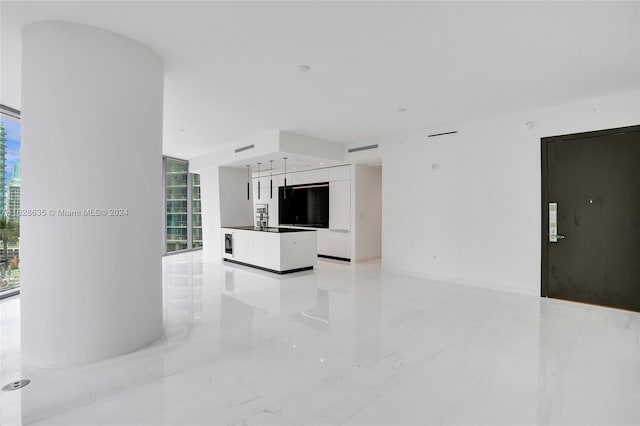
<point>595,180</point>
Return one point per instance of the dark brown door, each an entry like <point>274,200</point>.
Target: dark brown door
<point>595,180</point>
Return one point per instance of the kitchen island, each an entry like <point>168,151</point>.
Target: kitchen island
<point>278,250</point>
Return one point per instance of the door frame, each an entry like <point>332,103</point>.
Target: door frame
<point>544,231</point>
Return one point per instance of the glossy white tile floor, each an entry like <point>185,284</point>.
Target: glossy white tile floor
<point>343,345</point>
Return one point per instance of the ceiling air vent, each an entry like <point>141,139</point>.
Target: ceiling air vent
<point>9,111</point>
<point>442,134</point>
<point>362,148</point>
<point>244,148</point>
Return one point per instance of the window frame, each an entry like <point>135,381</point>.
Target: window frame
<point>190,247</point>
<point>16,115</point>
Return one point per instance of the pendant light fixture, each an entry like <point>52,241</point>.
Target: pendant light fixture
<point>271,181</point>
<point>259,180</point>
<point>248,181</point>
<point>285,178</point>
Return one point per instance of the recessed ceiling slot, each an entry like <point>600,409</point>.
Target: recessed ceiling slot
<point>362,148</point>
<point>442,134</point>
<point>244,148</point>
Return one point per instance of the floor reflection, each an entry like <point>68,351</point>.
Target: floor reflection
<point>343,344</point>
<point>182,295</point>
<point>274,294</point>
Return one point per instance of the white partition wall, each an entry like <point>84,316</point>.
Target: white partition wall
<point>236,209</point>
<point>224,203</point>
<point>367,212</point>
<point>91,155</point>
<point>210,195</point>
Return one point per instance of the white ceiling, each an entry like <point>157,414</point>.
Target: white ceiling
<point>232,67</point>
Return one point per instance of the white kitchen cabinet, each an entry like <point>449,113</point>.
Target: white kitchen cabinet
<point>340,243</point>
<point>334,243</point>
<point>280,252</point>
<point>323,242</point>
<point>315,176</point>
<point>340,205</point>
<point>294,178</point>
<point>339,173</point>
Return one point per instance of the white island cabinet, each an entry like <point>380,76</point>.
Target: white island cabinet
<point>279,250</point>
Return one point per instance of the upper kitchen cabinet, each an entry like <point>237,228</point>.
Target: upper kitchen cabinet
<point>339,173</point>
<point>307,176</point>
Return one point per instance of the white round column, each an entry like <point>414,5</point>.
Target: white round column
<point>91,226</point>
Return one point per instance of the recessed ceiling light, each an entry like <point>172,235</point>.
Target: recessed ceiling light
<point>294,167</point>
<point>401,109</point>
<point>322,164</point>
<point>304,68</point>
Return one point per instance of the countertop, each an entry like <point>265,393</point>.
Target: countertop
<point>268,229</point>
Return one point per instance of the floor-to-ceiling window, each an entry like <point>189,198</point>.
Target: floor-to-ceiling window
<point>9,201</point>
<point>196,215</point>
<point>176,204</point>
<point>183,223</point>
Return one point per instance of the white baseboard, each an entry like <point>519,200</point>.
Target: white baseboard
<point>459,281</point>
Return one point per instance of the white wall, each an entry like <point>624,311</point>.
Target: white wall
<point>235,208</point>
<point>224,203</point>
<point>367,212</point>
<point>476,218</point>
<point>210,204</point>
<point>92,139</point>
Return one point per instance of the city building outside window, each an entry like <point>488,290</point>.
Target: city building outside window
<point>183,220</point>
<point>9,201</point>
